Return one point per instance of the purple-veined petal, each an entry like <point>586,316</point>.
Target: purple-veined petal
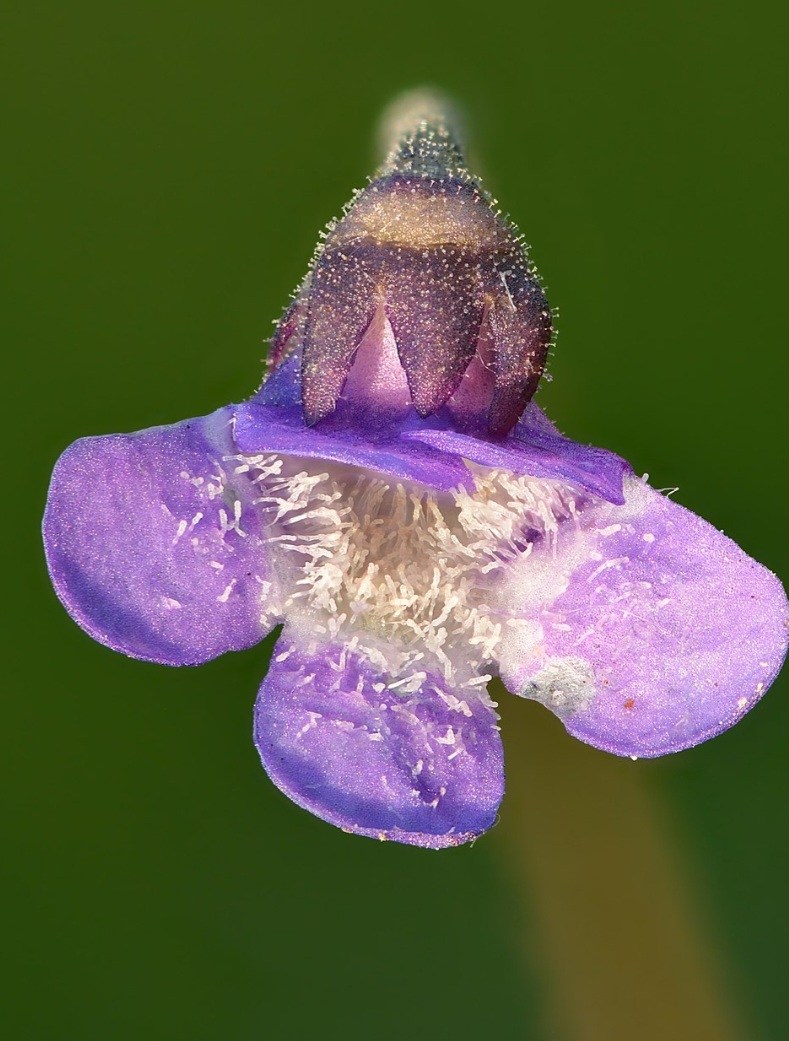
<point>151,543</point>
<point>263,428</point>
<point>537,453</point>
<point>644,628</point>
<point>423,768</point>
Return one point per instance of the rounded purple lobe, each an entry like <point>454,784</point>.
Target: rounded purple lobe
<point>153,545</point>
<point>644,628</point>
<point>351,746</point>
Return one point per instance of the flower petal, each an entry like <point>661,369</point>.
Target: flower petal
<point>264,428</point>
<point>644,628</point>
<point>151,544</point>
<point>424,768</point>
<point>537,453</point>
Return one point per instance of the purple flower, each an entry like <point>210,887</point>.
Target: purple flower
<point>392,496</point>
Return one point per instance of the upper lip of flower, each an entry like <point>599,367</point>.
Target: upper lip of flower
<point>424,513</point>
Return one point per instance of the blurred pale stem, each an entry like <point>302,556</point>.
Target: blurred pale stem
<point>614,928</point>
<point>422,105</point>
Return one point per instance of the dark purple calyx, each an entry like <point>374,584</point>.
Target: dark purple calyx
<point>421,297</point>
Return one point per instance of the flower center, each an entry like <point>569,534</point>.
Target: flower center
<point>401,574</point>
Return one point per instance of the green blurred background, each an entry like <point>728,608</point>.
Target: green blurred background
<point>167,168</point>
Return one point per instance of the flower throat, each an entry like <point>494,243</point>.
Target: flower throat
<point>401,572</point>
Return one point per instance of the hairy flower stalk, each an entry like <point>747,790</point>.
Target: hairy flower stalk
<point>394,497</point>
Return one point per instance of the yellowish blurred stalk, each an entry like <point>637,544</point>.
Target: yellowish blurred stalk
<point>613,929</point>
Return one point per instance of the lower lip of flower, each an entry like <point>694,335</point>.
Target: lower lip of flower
<point>412,579</point>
